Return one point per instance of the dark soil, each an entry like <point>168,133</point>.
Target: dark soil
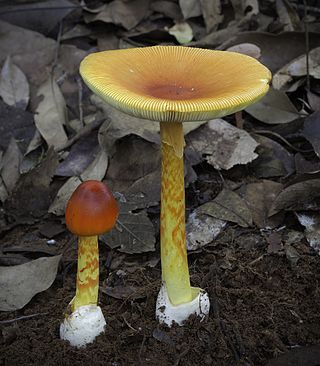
<point>262,306</point>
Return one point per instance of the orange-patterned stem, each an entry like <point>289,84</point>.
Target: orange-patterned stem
<point>88,272</point>
<point>174,261</point>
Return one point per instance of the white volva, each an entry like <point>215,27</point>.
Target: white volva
<point>83,325</point>
<point>167,313</point>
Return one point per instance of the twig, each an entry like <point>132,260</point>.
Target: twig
<point>306,32</point>
<point>45,8</point>
<point>83,132</point>
<point>9,321</point>
<point>182,354</point>
<point>128,324</point>
<point>267,132</point>
<point>141,348</point>
<point>80,96</point>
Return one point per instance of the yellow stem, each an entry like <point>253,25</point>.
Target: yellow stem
<point>174,261</point>
<point>88,272</point>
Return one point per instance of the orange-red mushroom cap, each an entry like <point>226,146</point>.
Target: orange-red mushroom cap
<point>91,209</point>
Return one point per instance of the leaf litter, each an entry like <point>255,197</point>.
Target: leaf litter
<point>249,232</point>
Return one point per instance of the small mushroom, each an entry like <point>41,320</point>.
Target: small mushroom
<point>175,84</point>
<point>91,210</point>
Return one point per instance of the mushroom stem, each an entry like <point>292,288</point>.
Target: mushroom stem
<point>174,261</point>
<point>88,272</point>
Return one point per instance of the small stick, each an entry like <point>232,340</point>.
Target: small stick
<point>9,321</point>
<point>83,132</point>
<point>80,97</point>
<point>239,120</point>
<point>306,31</point>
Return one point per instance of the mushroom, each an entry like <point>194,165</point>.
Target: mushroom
<point>91,210</point>
<point>175,84</point>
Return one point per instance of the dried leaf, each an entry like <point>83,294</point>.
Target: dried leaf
<point>58,206</point>
<point>314,101</point>
<point>167,8</point>
<point>306,166</point>
<point>259,198</point>
<point>182,32</point>
<point>50,114</point>
<point>120,124</point>
<point>14,86</point>
<point>202,229</point>
<point>298,68</point>
<point>311,131</point>
<point>274,243</point>
<point>128,14</point>
<point>216,38</point>
<point>79,30</point>
<point>190,8</point>
<point>80,156</point>
<point>128,165</point>
<point>274,108</point>
<point>297,196</point>
<point>31,196</point>
<point>222,144</point>
<point>248,49</point>
<point>134,232</point>
<point>15,123</point>
<point>96,170</point>
<point>42,17</point>
<point>292,254</point>
<point>211,11</point>
<point>276,49</point>
<point>288,16</point>
<point>18,284</point>
<point>311,222</point>
<point>10,165</point>
<point>228,206</point>
<point>30,51</point>
<point>274,160</point>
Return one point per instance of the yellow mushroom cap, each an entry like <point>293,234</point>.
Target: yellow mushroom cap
<point>175,83</point>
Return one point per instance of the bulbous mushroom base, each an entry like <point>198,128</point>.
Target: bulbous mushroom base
<point>167,313</point>
<point>83,325</point>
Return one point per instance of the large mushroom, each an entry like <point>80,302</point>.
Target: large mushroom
<point>91,210</point>
<point>175,84</point>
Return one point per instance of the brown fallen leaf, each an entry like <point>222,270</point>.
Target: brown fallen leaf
<point>212,14</point>
<point>134,232</point>
<point>14,86</point>
<point>43,16</point>
<point>29,50</point>
<point>273,161</point>
<point>311,131</point>
<point>190,8</point>
<point>228,206</point>
<point>126,14</point>
<point>274,108</point>
<point>31,196</point>
<point>259,197</point>
<point>50,114</point>
<point>297,196</point>
<point>10,167</point>
<point>222,144</point>
<point>20,283</point>
<point>15,123</point>
<point>276,49</point>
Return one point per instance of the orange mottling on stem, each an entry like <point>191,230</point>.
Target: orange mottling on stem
<point>88,272</point>
<point>175,272</point>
